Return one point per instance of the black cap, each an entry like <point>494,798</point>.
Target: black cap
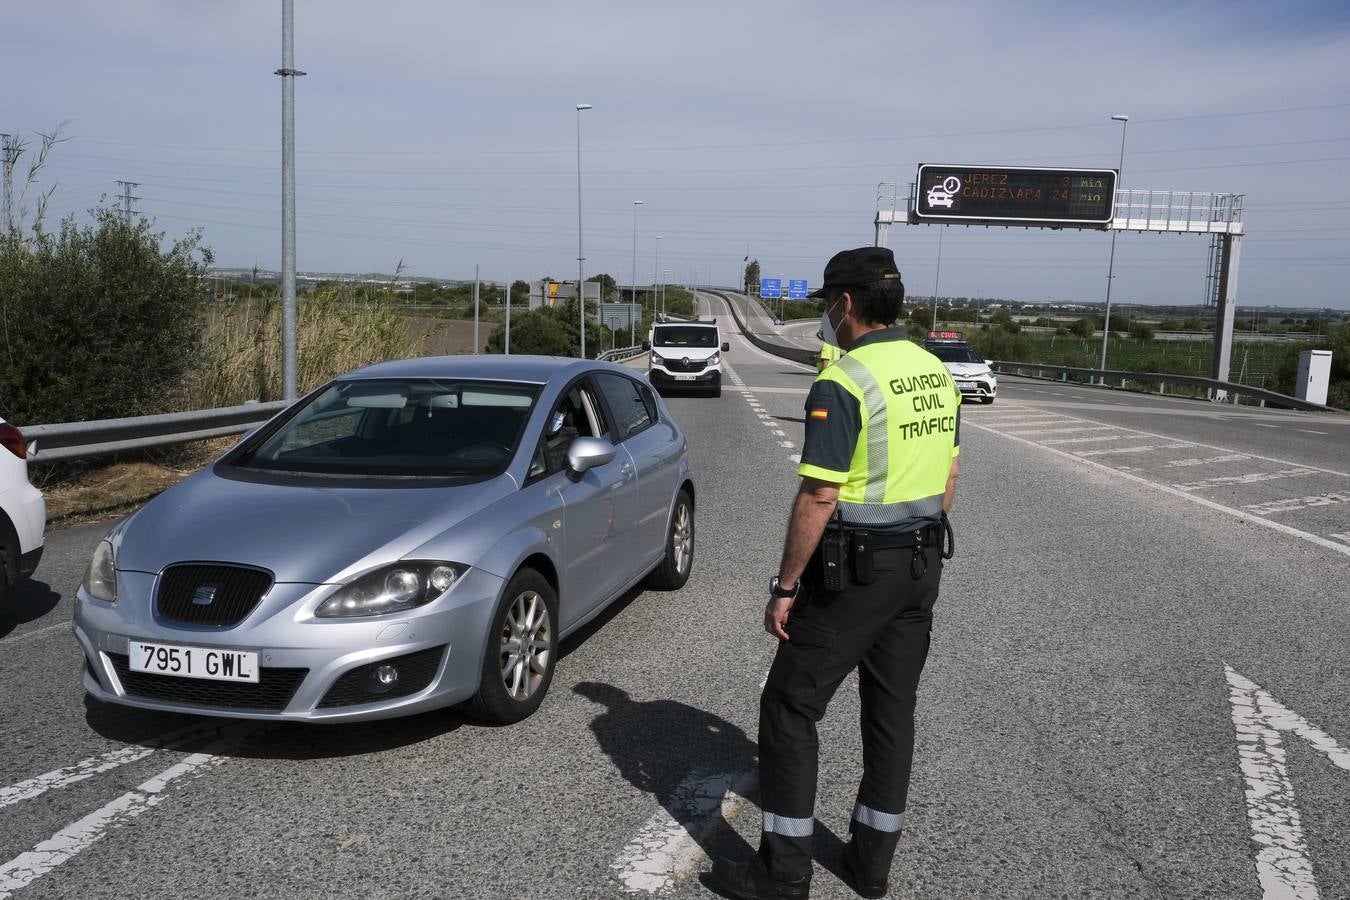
<point>854,268</point>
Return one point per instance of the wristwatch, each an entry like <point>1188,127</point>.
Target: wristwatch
<point>777,590</point>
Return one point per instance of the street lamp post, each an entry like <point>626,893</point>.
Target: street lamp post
<point>633,299</point>
<point>665,277</point>
<point>1111,265</point>
<point>581,257</point>
<point>654,276</point>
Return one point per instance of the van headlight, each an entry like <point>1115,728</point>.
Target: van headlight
<point>714,359</point>
<point>390,589</point>
<point>656,360</point>
<point>100,579</point>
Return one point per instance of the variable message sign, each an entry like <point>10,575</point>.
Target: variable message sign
<point>1003,195</point>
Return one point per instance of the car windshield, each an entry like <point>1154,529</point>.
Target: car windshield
<point>397,427</point>
<point>953,354</point>
<point>684,336</point>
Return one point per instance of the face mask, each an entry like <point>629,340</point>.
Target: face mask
<point>827,327</point>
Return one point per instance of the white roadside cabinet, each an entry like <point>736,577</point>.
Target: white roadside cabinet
<point>1314,376</point>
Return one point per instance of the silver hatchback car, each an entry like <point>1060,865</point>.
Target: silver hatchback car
<point>412,535</point>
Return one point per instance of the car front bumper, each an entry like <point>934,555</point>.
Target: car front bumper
<point>302,661</point>
<point>982,387</point>
<point>668,381</point>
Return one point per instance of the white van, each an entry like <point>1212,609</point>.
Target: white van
<point>686,356</point>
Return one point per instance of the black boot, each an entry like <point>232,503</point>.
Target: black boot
<point>752,881</point>
<point>855,873</point>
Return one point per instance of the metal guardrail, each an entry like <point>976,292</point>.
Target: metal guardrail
<point>621,353</point>
<point>1214,388</point>
<point>794,354</point>
<point>81,440</point>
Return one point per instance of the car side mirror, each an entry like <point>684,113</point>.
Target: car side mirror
<point>587,453</point>
<point>725,347</point>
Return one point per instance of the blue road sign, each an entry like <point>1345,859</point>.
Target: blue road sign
<point>797,289</point>
<point>771,287</point>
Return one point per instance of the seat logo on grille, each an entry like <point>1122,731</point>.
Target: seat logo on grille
<point>205,594</point>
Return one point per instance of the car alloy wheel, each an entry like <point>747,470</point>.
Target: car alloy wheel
<point>526,639</point>
<point>682,539</point>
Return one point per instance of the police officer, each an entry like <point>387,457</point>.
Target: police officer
<point>857,581</point>
<point>828,356</point>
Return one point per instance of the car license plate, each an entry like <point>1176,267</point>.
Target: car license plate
<point>193,662</point>
<point>684,377</point>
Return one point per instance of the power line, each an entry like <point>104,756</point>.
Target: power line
<point>755,145</point>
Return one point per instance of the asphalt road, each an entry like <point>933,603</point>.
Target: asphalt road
<point>1139,582</point>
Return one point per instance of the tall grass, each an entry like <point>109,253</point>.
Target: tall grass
<point>241,350</point>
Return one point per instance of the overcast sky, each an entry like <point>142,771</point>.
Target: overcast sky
<point>444,134</point>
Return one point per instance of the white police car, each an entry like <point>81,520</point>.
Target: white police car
<point>971,373</point>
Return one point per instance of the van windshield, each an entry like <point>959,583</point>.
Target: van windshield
<point>684,336</point>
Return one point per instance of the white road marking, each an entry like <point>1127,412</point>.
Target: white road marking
<point>1144,449</point>
<point>95,765</point>
<point>1231,457</point>
<point>72,840</point>
<point>1270,459</point>
<point>1344,536</point>
<point>37,632</point>
<point>797,458</point>
<point>665,848</point>
<point>779,433</point>
<point>1310,431</point>
<point>788,444</point>
<point>1282,863</point>
<point>1074,430</point>
<point>1290,504</point>
<point>1121,436</point>
<point>1250,478</point>
<point>779,390</point>
<point>1168,489</point>
<point>1264,425</point>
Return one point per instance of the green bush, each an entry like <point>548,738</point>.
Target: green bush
<point>551,331</point>
<point>1140,331</point>
<point>98,320</point>
<point>1084,328</point>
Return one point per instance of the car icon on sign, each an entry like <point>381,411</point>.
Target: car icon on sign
<point>943,194</point>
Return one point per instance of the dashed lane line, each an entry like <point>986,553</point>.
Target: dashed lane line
<point>96,765</point>
<point>1243,514</point>
<point>79,836</point>
<point>669,845</point>
<point>37,632</point>
<point>1283,864</point>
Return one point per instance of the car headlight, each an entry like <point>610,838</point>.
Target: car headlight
<point>100,580</point>
<point>656,360</point>
<point>391,589</point>
<point>714,359</point>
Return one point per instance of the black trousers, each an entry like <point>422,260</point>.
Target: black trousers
<point>881,629</point>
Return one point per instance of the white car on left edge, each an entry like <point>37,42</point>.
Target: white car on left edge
<point>23,512</point>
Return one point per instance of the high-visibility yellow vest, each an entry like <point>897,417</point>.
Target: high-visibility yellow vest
<point>908,406</point>
<point>829,354</point>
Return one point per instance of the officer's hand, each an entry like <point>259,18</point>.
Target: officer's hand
<point>776,616</point>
